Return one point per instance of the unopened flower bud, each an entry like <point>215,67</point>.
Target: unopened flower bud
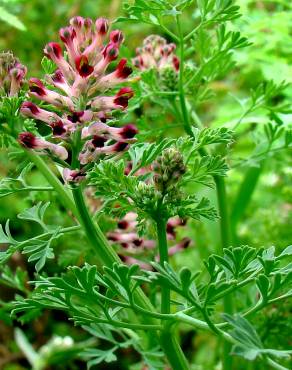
<point>168,168</point>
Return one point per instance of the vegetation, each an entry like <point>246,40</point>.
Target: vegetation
<point>145,190</point>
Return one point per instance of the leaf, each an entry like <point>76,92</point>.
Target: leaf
<point>11,19</point>
<point>35,213</point>
<point>5,237</point>
<point>249,345</point>
<point>48,65</point>
<point>263,284</point>
<point>99,356</point>
<point>143,154</point>
<point>10,185</point>
<point>202,209</point>
<point>286,252</point>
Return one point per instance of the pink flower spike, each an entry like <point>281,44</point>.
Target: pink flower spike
<point>30,141</point>
<point>17,75</point>
<point>123,96</point>
<point>110,53</point>
<point>121,73</point>
<point>133,261</point>
<point>38,90</point>
<point>58,128</point>
<point>117,37</point>
<point>96,147</point>
<point>29,109</point>
<point>78,25</point>
<point>58,80</point>
<point>67,35</point>
<point>73,176</point>
<point>101,25</point>
<point>119,101</point>
<point>54,51</point>
<point>179,247</point>
<point>175,62</point>
<point>83,67</point>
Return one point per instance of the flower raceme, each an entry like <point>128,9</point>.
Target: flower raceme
<point>81,95</point>
<point>156,53</point>
<point>12,74</point>
<point>135,249</point>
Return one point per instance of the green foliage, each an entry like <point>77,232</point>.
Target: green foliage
<point>249,343</point>
<point>223,117</point>
<point>39,248</point>
<point>11,19</point>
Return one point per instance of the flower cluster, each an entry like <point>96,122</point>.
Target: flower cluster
<point>135,249</point>
<point>168,169</point>
<point>12,74</point>
<point>78,98</point>
<point>156,53</point>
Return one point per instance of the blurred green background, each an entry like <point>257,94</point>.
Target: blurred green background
<point>268,25</point>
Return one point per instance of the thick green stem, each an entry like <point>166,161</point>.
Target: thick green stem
<point>186,121</point>
<point>225,243</point>
<point>244,196</point>
<point>52,179</point>
<point>95,236</point>
<point>220,189</point>
<point>163,255</point>
<point>174,353</point>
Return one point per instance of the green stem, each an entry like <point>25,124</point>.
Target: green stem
<point>220,189</point>
<point>173,350</point>
<point>52,179</point>
<point>163,255</point>
<point>244,196</point>
<point>95,236</point>
<point>186,121</point>
<point>225,243</point>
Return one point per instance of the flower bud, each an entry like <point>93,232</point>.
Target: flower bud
<point>168,169</point>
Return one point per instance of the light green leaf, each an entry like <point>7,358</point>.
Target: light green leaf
<point>11,19</point>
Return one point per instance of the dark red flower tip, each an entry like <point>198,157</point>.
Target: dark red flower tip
<point>101,26</point>
<point>83,67</point>
<point>138,242</point>
<point>27,139</point>
<point>129,131</point>
<point>122,257</point>
<point>58,77</point>
<point>58,128</point>
<point>117,37</point>
<point>170,229</point>
<point>120,146</point>
<point>36,86</point>
<point>31,106</point>
<point>102,117</point>
<point>53,48</point>
<point>98,141</point>
<point>111,52</point>
<point>122,97</point>
<point>113,237</point>
<point>75,116</point>
<point>77,22</point>
<point>122,70</point>
<point>175,62</point>
<point>166,50</point>
<point>66,34</point>
<point>185,242</point>
<point>123,224</point>
<point>148,48</point>
<point>87,23</point>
